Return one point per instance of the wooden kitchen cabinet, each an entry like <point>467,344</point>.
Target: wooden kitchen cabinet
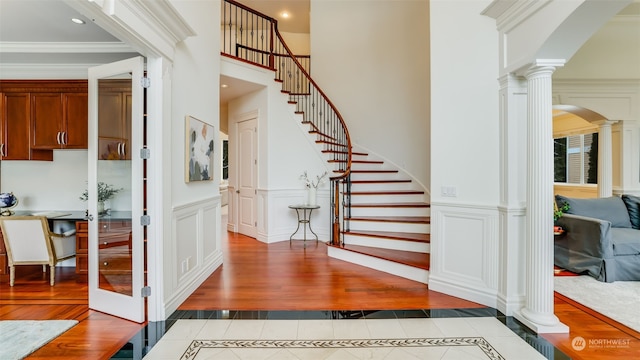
<point>114,119</point>
<point>59,120</point>
<point>15,126</point>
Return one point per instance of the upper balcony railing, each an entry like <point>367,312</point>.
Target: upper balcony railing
<point>253,37</point>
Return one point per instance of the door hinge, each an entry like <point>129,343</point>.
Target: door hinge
<point>145,82</point>
<point>145,220</point>
<point>256,224</point>
<point>145,153</point>
<point>255,191</point>
<point>146,291</point>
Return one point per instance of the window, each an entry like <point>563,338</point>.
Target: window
<point>576,159</point>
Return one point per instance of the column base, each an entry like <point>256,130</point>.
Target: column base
<point>558,328</point>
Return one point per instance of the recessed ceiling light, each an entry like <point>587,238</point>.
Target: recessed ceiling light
<point>78,21</point>
<point>285,14</point>
<point>224,86</point>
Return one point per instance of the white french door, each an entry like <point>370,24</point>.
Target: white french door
<point>116,248</point>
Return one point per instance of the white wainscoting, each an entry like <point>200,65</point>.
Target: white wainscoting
<point>464,251</point>
<point>280,221</point>
<point>195,251</point>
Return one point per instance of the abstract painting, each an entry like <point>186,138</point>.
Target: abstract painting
<point>199,150</point>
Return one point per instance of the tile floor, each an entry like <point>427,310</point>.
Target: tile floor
<point>411,334</point>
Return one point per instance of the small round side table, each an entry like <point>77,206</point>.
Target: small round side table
<point>305,211</point>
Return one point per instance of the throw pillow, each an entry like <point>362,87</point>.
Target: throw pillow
<point>611,209</point>
<point>633,205</point>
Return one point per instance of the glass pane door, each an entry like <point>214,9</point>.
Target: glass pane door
<point>116,253</point>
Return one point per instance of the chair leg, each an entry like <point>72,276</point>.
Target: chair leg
<point>53,274</point>
<point>12,275</point>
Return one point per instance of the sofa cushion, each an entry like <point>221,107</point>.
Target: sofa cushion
<point>633,206</point>
<point>625,241</point>
<point>611,209</point>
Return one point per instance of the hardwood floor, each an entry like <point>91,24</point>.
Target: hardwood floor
<point>257,276</point>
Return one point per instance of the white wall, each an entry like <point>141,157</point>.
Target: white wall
<point>192,248</point>
<point>371,58</point>
<point>465,151</point>
<point>464,103</point>
<point>300,44</point>
<point>48,185</point>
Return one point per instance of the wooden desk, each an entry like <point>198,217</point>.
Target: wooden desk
<point>116,229</point>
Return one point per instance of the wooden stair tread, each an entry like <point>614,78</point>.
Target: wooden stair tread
<point>345,152</point>
<point>393,205</point>
<point>416,237</point>
<point>414,259</point>
<point>330,143</point>
<point>359,161</point>
<point>398,219</point>
<point>388,192</point>
<point>378,181</point>
<point>373,171</point>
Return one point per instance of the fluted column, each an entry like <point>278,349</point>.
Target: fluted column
<point>538,311</point>
<point>605,159</point>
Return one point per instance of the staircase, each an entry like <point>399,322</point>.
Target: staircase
<point>387,226</point>
<point>380,218</point>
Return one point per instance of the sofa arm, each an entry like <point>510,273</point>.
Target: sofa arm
<point>588,236</point>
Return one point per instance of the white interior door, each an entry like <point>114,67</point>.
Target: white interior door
<point>247,175</point>
<point>116,251</point>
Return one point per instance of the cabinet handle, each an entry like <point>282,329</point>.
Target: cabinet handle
<point>105,263</point>
<point>2,150</point>
<point>119,150</point>
<point>58,138</point>
<point>64,138</point>
<point>124,152</point>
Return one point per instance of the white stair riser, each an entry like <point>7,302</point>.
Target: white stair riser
<point>389,226</point>
<point>382,243</point>
<point>388,211</point>
<point>407,272</point>
<point>390,198</point>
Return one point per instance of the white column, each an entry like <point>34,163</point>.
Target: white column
<point>538,311</point>
<point>605,158</point>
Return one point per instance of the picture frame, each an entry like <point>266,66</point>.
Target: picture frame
<point>199,151</point>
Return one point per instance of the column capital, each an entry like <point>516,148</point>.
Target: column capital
<point>541,66</point>
<point>604,122</point>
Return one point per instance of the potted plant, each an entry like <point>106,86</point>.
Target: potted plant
<point>557,214</point>
<point>105,192</point>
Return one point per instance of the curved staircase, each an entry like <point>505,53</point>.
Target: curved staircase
<point>380,218</point>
